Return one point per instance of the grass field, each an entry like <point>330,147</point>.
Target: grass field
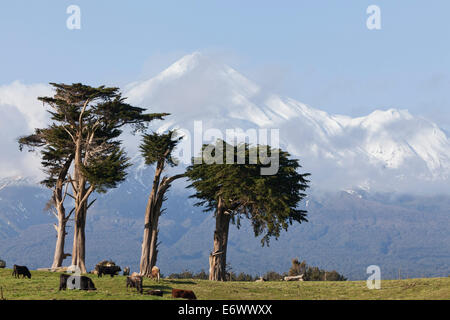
<point>44,286</point>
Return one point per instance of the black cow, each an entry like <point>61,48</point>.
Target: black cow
<point>21,270</point>
<point>83,283</point>
<point>112,270</point>
<point>135,282</point>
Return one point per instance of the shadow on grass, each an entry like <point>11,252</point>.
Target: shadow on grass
<point>164,289</point>
<point>180,281</point>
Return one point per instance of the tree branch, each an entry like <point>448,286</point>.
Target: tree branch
<point>73,138</point>
<point>86,196</point>
<point>68,216</point>
<point>82,112</point>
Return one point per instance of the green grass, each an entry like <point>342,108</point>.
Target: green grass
<point>44,286</point>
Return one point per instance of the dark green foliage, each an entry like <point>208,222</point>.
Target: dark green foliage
<point>202,275</point>
<point>108,171</point>
<point>56,150</point>
<point>298,268</point>
<point>269,201</point>
<point>273,276</point>
<point>95,117</point>
<point>243,277</point>
<point>158,147</point>
<point>107,108</point>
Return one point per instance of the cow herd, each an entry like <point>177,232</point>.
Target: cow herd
<point>71,281</point>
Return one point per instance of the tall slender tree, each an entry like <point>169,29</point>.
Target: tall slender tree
<point>57,156</point>
<point>236,191</point>
<point>157,150</point>
<point>93,118</point>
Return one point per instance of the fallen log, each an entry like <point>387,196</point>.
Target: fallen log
<point>294,278</point>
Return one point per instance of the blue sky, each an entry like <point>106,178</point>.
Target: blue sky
<point>318,52</point>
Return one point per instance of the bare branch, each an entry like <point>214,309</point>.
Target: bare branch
<point>70,213</point>
<point>54,213</point>
<point>65,193</point>
<point>74,188</point>
<point>82,112</point>
<point>73,138</point>
<point>90,204</point>
<point>86,196</point>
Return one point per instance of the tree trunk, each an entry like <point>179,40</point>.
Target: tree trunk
<point>218,259</point>
<point>153,254</point>
<point>145,253</point>
<point>154,249</point>
<point>145,264</point>
<point>149,244</point>
<point>74,245</point>
<point>79,237</point>
<point>58,201</point>
<point>81,200</point>
<point>60,241</point>
<point>79,240</point>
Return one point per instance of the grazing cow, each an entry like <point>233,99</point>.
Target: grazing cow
<point>83,283</point>
<point>155,273</point>
<point>112,270</point>
<point>126,271</point>
<point>185,294</point>
<point>21,270</point>
<point>135,281</point>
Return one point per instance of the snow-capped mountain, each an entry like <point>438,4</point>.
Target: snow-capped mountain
<point>385,149</point>
<point>388,150</point>
<point>351,224</point>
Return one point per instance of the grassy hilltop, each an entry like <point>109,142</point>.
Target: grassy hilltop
<point>44,286</point>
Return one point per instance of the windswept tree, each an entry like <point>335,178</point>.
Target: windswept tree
<point>157,150</point>
<point>236,191</point>
<point>57,156</point>
<point>93,119</point>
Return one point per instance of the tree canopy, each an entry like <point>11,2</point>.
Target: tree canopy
<point>270,202</point>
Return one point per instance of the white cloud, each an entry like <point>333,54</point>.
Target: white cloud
<point>20,113</point>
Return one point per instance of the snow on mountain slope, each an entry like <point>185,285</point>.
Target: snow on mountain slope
<point>388,148</point>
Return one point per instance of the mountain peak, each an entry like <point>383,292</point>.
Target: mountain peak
<point>339,151</point>
<point>185,64</point>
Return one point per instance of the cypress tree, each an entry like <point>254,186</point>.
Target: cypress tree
<point>57,157</point>
<point>157,150</point>
<point>236,191</point>
<point>93,118</point>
